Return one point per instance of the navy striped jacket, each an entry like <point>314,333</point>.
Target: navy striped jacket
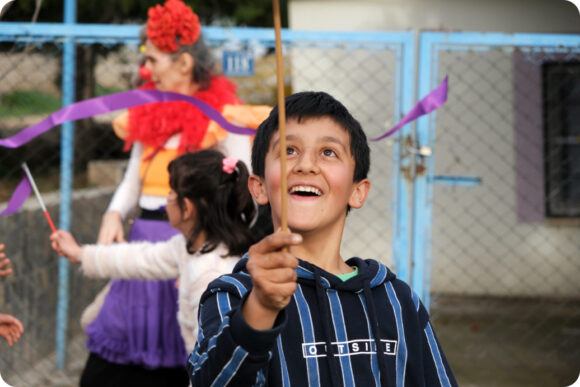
<point>370,330</point>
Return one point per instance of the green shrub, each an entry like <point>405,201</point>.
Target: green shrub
<point>27,102</point>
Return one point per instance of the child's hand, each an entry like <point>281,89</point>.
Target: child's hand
<point>4,262</point>
<point>10,328</point>
<point>274,279</point>
<point>65,244</point>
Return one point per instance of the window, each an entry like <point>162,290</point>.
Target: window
<point>561,100</point>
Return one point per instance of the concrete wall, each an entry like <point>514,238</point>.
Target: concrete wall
<point>30,293</point>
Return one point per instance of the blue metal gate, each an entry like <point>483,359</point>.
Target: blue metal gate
<point>496,232</point>
<point>475,205</point>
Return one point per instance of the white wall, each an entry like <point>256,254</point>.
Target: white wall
<point>554,16</point>
<point>480,244</point>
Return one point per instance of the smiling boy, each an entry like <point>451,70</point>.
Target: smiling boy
<point>306,316</point>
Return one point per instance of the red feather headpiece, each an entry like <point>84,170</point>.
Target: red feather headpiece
<point>152,124</point>
<point>171,23</point>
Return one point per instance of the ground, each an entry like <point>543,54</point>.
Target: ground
<point>488,342</point>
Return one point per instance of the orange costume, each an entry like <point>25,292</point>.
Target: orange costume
<point>154,124</point>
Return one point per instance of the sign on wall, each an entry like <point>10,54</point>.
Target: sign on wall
<point>238,63</point>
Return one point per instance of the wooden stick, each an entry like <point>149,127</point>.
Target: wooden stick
<point>281,116</point>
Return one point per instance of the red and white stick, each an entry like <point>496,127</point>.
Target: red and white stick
<point>33,184</point>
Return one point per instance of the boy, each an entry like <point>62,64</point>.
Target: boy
<point>305,316</point>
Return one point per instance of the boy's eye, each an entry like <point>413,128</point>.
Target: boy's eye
<point>328,152</point>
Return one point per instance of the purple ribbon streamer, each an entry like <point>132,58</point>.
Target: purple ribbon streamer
<point>95,106</point>
<point>435,99</point>
<point>127,99</point>
<point>20,194</point>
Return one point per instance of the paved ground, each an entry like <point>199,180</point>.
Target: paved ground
<point>46,374</point>
<point>488,343</point>
<point>510,343</point>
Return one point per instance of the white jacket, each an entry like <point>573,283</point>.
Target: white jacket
<point>162,260</point>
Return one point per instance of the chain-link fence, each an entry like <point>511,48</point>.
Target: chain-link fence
<point>505,224</point>
<point>365,75</point>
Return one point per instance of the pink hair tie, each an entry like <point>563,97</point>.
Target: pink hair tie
<point>229,164</point>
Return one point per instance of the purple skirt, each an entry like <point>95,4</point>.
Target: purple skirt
<point>138,321</point>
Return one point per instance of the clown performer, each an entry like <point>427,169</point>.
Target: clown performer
<point>134,337</point>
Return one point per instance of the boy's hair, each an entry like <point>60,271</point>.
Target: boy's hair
<point>306,105</point>
<point>224,207</point>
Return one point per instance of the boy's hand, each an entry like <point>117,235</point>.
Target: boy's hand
<point>4,262</point>
<point>10,328</point>
<point>65,244</point>
<point>274,279</point>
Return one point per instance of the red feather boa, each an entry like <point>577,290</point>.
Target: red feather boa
<point>154,123</point>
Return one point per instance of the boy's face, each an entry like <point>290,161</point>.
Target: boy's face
<point>320,170</point>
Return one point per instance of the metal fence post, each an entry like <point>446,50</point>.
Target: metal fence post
<point>66,179</point>
<point>423,189</point>
<point>401,185</point>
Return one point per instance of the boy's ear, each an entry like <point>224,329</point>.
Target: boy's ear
<point>359,193</point>
<point>257,188</point>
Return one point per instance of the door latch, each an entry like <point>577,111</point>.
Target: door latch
<point>416,165</point>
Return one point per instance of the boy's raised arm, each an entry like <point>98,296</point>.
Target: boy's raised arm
<point>228,351</point>
<point>274,276</point>
<point>241,317</point>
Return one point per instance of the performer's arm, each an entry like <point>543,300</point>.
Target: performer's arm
<point>125,198</point>
<point>127,194</point>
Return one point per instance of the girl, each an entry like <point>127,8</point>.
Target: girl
<point>209,203</point>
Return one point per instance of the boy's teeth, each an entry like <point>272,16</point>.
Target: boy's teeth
<point>305,189</point>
